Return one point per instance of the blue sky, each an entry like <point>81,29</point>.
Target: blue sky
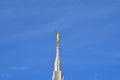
<point>90,46</point>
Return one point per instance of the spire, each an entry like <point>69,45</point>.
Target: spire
<point>57,73</point>
<point>58,60</point>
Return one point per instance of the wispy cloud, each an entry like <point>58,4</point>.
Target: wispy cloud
<point>5,75</point>
<point>25,35</point>
<point>17,68</point>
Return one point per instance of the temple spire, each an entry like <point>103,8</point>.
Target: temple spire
<point>58,60</point>
<point>57,73</point>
